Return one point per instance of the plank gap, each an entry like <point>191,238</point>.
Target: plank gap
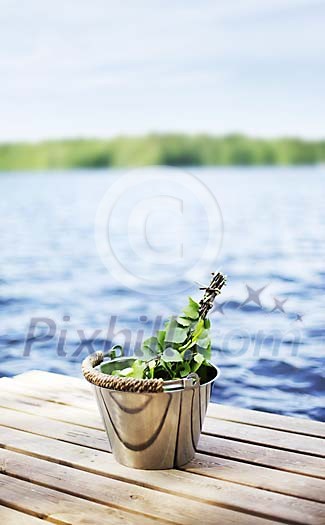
<point>53,418</point>
<point>154,487</point>
<point>295,432</point>
<point>87,498</point>
<point>46,397</point>
<point>267,445</point>
<point>272,491</point>
<point>247,462</point>
<point>200,450</point>
<point>204,432</point>
<point>39,515</point>
<point>235,508</point>
<point>187,468</point>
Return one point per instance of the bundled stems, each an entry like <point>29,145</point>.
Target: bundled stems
<point>211,292</point>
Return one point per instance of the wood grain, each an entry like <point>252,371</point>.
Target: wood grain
<point>203,464</point>
<point>56,466</point>
<point>10,516</point>
<point>149,502</point>
<point>217,492</point>
<point>226,429</point>
<point>265,419</point>
<point>82,395</point>
<point>62,508</point>
<point>253,453</point>
<point>265,436</point>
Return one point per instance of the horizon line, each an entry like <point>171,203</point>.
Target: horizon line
<point>249,136</point>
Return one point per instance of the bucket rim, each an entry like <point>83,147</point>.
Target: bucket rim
<point>165,383</point>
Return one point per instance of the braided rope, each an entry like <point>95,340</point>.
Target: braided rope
<point>126,384</point>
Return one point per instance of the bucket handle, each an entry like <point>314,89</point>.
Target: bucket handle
<point>97,358</point>
<point>126,384</point>
<point>184,383</point>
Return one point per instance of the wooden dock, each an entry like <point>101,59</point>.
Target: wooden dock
<point>55,466</point>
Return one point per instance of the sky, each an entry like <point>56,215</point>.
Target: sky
<point>100,68</point>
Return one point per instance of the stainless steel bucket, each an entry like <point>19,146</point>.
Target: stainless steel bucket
<point>154,430</point>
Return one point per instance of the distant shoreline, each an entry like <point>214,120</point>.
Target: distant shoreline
<point>161,149</point>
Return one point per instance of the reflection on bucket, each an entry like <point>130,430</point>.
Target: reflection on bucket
<point>155,430</point>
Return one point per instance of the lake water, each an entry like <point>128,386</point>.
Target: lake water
<point>273,224</point>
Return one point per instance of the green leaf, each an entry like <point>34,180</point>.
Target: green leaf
<point>171,355</point>
<point>189,344</point>
<point>126,372</point>
<point>161,338</point>
<point>112,351</point>
<point>165,366</point>
<point>185,370</point>
<point>138,369</point>
<point>192,309</point>
<point>198,330</point>
<point>114,373</point>
<point>193,303</point>
<point>206,352</point>
<point>187,354</point>
<point>204,334</point>
<point>183,346</point>
<point>149,349</point>
<point>152,343</point>
<point>175,334</point>
<point>145,353</point>
<point>183,321</point>
<point>152,366</point>
<point>198,360</point>
<point>203,342</point>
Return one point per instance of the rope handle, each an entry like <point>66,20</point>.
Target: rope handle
<point>126,384</point>
<point>97,358</point>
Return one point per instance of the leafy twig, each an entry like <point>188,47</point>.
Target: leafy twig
<point>184,346</point>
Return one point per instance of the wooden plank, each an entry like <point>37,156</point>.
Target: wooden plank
<point>194,487</point>
<point>258,476</point>
<point>203,482</point>
<point>151,503</point>
<point>298,425</point>
<point>10,516</point>
<point>49,381</point>
<point>264,456</point>
<point>82,393</point>
<point>52,378</point>
<point>264,436</point>
<point>256,454</point>
<point>51,389</point>
<point>61,508</point>
<point>60,412</point>
<point>212,426</point>
<point>216,467</point>
<point>42,426</point>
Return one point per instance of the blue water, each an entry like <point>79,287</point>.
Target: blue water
<point>273,236</point>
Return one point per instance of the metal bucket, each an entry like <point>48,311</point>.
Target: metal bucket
<point>154,430</point>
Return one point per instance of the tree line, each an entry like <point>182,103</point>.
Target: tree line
<point>160,149</point>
